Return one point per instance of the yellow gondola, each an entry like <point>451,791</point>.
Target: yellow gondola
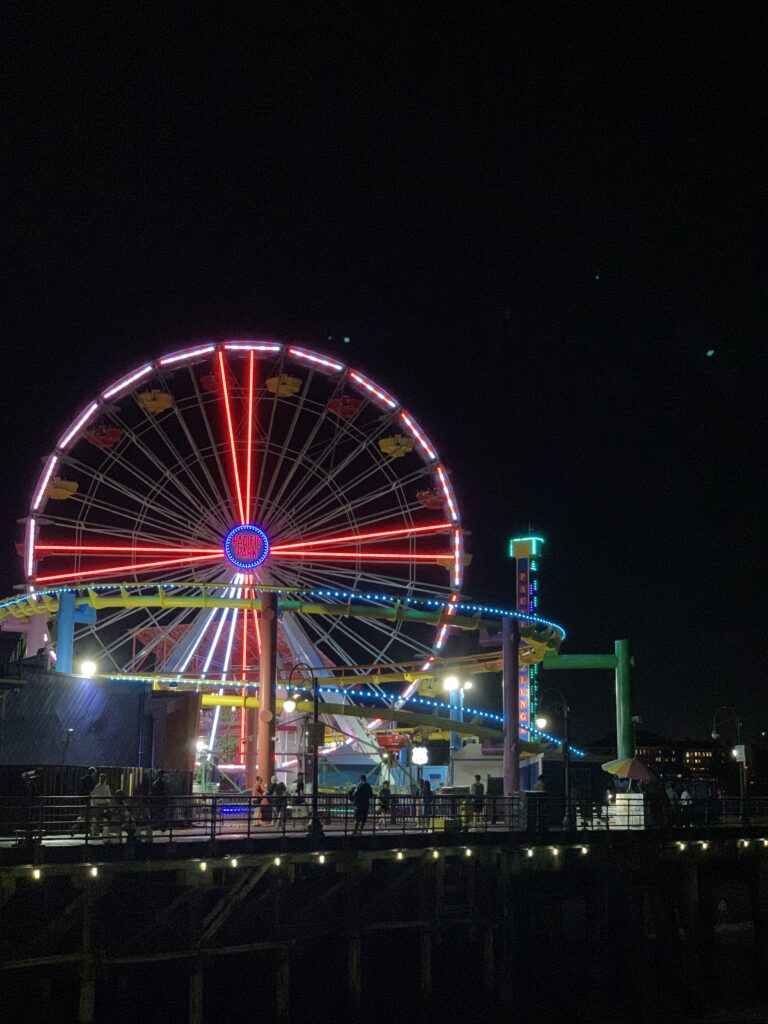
<point>284,386</point>
<point>396,446</point>
<point>155,401</point>
<point>60,490</point>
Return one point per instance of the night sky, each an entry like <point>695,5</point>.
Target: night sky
<point>534,221</point>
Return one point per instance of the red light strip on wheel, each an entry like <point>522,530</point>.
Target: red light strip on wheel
<point>108,549</point>
<point>231,436</point>
<point>343,538</point>
<point>44,482</point>
<point>447,492</point>
<point>251,361</point>
<point>366,556</point>
<point>113,569</point>
<point>414,431</point>
<point>389,402</point>
<point>327,364</point>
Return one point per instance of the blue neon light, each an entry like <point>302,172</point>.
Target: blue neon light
<point>261,546</point>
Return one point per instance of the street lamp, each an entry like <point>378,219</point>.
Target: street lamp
<point>559,706</point>
<point>455,691</point>
<point>736,752</point>
<point>315,737</point>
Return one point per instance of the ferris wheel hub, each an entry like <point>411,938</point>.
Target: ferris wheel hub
<point>246,546</point>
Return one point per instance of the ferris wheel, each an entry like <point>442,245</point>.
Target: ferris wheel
<point>247,464</point>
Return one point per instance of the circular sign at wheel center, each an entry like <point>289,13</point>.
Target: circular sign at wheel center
<point>246,547</point>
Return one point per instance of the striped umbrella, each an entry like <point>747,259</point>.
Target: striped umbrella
<point>629,768</point>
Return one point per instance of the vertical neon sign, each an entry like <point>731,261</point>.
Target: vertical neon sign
<point>523,576</point>
<point>525,551</point>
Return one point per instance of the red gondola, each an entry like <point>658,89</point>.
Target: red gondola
<point>104,437</point>
<point>344,406</point>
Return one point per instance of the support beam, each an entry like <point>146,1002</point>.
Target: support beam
<point>510,684</point>
<point>87,1002</point>
<point>355,965</point>
<point>625,741</point>
<point>65,636</point>
<point>267,677</point>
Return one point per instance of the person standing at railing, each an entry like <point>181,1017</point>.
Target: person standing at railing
<point>101,796</point>
<point>478,800</point>
<point>84,789</point>
<point>362,795</point>
<point>280,800</point>
<point>259,799</point>
<point>427,802</point>
<point>385,801</point>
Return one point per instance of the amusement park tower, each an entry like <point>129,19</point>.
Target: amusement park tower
<point>526,552</point>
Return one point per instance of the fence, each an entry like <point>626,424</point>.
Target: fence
<point>61,819</point>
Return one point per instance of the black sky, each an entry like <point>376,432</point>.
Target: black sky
<point>533,220</point>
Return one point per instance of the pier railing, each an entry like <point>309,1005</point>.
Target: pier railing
<point>62,819</point>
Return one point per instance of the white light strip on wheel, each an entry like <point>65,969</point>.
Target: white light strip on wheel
<point>215,643</point>
<point>125,383</point>
<point>251,346</point>
<point>201,634</point>
<point>448,493</point>
<point>78,425</point>
<point>217,710</point>
<point>414,431</point>
<point>327,364</point>
<point>44,482</point>
<point>29,561</point>
<point>358,378</point>
<point>190,353</point>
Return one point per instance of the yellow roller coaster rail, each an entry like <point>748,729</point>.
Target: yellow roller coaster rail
<point>540,637</point>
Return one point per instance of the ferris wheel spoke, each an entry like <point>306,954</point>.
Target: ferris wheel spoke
<point>300,456</point>
<point>114,570</point>
<point>379,535</point>
<point>136,517</point>
<point>332,578</point>
<point>201,462</point>
<point>314,522</point>
<point>353,501</point>
<point>298,409</point>
<point>207,500</point>
<point>249,445</point>
<point>325,477</point>
<point>214,447</point>
<point>141,501</point>
<point>165,475</point>
<point>155,424</point>
<point>231,434</point>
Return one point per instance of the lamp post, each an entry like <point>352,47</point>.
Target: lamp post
<point>742,760</point>
<point>559,705</point>
<point>315,740</point>
<point>455,690</point>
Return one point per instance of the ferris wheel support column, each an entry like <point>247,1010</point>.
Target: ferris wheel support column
<point>65,635</point>
<point>267,677</point>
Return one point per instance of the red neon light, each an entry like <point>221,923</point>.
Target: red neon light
<point>167,563</point>
<point>377,556</point>
<point>106,549</point>
<point>231,436</point>
<point>250,441</point>
<point>402,531</point>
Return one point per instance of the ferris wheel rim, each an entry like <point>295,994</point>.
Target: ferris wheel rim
<point>367,389</point>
